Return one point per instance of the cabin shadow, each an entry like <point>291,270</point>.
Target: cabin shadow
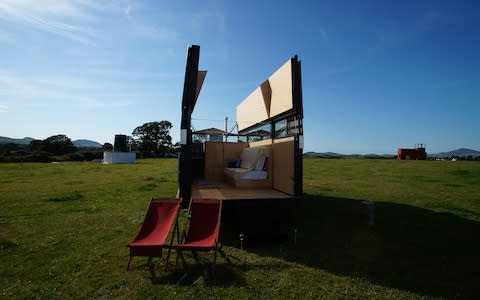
<point>409,248</point>
<point>222,275</point>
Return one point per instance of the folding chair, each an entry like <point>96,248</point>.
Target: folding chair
<point>202,229</point>
<point>151,238</point>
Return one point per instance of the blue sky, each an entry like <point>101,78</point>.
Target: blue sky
<point>377,75</point>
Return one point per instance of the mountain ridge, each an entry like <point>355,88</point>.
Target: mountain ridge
<point>80,143</point>
<point>7,140</point>
<point>460,152</point>
<point>83,143</point>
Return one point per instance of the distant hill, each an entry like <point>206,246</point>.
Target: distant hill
<point>323,154</point>
<point>462,152</point>
<point>27,140</point>
<point>24,141</point>
<point>338,155</point>
<point>86,144</point>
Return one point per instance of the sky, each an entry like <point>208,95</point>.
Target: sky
<point>376,75</point>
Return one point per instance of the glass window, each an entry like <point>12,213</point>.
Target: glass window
<point>281,128</point>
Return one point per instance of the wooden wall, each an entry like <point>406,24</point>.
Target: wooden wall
<point>284,165</point>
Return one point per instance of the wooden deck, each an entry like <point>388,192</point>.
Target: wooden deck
<point>227,192</point>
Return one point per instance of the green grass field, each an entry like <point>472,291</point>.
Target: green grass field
<point>64,227</point>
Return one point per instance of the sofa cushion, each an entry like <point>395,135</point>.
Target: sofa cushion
<point>260,164</point>
<point>249,157</point>
<point>235,173</point>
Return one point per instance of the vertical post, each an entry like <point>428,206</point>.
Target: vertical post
<point>226,129</point>
<point>188,104</point>
<point>298,106</point>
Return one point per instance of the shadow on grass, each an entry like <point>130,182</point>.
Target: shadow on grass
<point>223,275</point>
<point>413,249</point>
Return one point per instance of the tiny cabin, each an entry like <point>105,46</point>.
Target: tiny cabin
<point>258,174</point>
<point>417,153</point>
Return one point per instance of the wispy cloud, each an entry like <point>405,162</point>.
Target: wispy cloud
<point>134,74</point>
<point>153,33</point>
<point>12,85</point>
<point>73,19</point>
<point>3,108</point>
<point>323,34</point>
<point>55,92</point>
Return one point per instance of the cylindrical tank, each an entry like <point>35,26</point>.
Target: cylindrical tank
<point>120,144</point>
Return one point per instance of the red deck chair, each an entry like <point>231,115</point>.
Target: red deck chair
<point>203,227</point>
<point>150,240</point>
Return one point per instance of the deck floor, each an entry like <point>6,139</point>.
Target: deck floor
<point>226,192</point>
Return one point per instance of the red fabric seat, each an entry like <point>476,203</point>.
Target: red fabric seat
<point>203,228</point>
<point>151,239</point>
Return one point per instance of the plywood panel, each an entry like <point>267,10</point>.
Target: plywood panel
<point>281,84</point>
<point>252,110</point>
<point>233,150</point>
<point>283,165</point>
<point>273,97</point>
<point>213,160</point>
<point>261,143</point>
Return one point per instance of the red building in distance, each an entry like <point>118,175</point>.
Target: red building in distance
<point>418,153</point>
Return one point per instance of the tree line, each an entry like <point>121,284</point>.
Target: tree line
<point>151,139</point>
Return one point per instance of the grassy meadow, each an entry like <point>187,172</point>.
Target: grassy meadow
<point>64,227</point>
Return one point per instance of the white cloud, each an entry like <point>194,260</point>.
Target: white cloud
<point>73,19</point>
<point>61,91</point>
<point>3,108</point>
<point>78,20</point>
<point>11,84</point>
<point>135,74</point>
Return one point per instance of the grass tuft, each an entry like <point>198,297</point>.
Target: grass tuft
<point>66,197</point>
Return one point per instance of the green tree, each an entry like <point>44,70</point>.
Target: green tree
<point>153,138</point>
<point>36,145</point>
<point>107,147</point>
<point>58,145</point>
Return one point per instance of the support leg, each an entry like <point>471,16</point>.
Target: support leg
<point>128,264</point>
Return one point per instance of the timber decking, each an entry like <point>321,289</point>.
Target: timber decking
<point>226,192</point>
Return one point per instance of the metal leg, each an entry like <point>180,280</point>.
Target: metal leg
<point>176,259</point>
<point>195,256</point>
<point>168,258</point>
<point>128,264</point>
<point>149,263</point>
<point>215,256</point>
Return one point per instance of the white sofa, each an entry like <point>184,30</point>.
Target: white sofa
<point>252,166</point>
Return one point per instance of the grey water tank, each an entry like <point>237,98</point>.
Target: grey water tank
<point>120,144</point>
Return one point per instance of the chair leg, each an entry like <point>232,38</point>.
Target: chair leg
<point>128,264</point>
<point>214,256</point>
<point>195,256</point>
<point>179,252</point>
<point>166,260</point>
<point>222,253</point>
<point>149,262</point>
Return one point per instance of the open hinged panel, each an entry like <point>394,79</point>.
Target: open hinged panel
<point>265,161</point>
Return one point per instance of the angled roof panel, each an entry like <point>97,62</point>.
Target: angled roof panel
<point>273,97</point>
